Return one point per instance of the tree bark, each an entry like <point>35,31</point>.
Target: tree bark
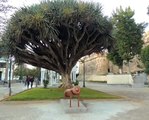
<point>66,81</point>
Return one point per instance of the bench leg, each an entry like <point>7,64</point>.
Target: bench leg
<point>78,100</point>
<point>70,102</point>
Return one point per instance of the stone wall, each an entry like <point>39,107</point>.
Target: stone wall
<point>121,79</point>
<point>97,65</point>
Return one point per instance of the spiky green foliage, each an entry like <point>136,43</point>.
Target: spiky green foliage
<point>56,34</point>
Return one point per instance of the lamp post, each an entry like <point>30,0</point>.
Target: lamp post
<point>83,61</point>
<point>9,85</point>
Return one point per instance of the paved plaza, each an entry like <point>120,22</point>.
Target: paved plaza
<point>138,96</point>
<point>134,106</point>
<point>15,88</point>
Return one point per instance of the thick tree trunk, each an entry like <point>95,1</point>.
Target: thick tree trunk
<point>66,81</point>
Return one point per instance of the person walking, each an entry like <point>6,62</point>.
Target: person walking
<point>32,81</point>
<point>27,81</point>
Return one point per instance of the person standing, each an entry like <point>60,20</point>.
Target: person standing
<point>27,81</point>
<point>32,81</point>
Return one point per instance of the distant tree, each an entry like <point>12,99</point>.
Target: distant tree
<point>4,9</point>
<point>128,34</point>
<point>116,59</point>
<point>3,49</point>
<point>145,58</point>
<point>34,72</point>
<point>20,71</point>
<point>23,71</point>
<point>56,34</point>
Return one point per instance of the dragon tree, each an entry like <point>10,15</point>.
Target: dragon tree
<point>56,34</point>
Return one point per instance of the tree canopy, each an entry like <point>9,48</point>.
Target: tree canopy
<point>4,9</point>
<point>56,34</point>
<point>115,58</point>
<point>128,35</point>
<point>145,58</point>
<point>24,71</point>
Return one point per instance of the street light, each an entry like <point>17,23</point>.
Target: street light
<point>83,72</point>
<point>83,62</point>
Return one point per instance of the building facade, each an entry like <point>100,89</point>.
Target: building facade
<point>6,69</point>
<point>55,78</point>
<point>97,66</point>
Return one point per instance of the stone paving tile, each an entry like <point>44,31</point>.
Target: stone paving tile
<point>15,88</point>
<point>133,107</point>
<point>53,110</point>
<point>139,95</point>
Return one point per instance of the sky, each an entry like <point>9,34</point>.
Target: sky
<point>139,6</point>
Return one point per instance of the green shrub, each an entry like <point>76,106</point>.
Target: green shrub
<point>45,83</point>
<point>76,83</point>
